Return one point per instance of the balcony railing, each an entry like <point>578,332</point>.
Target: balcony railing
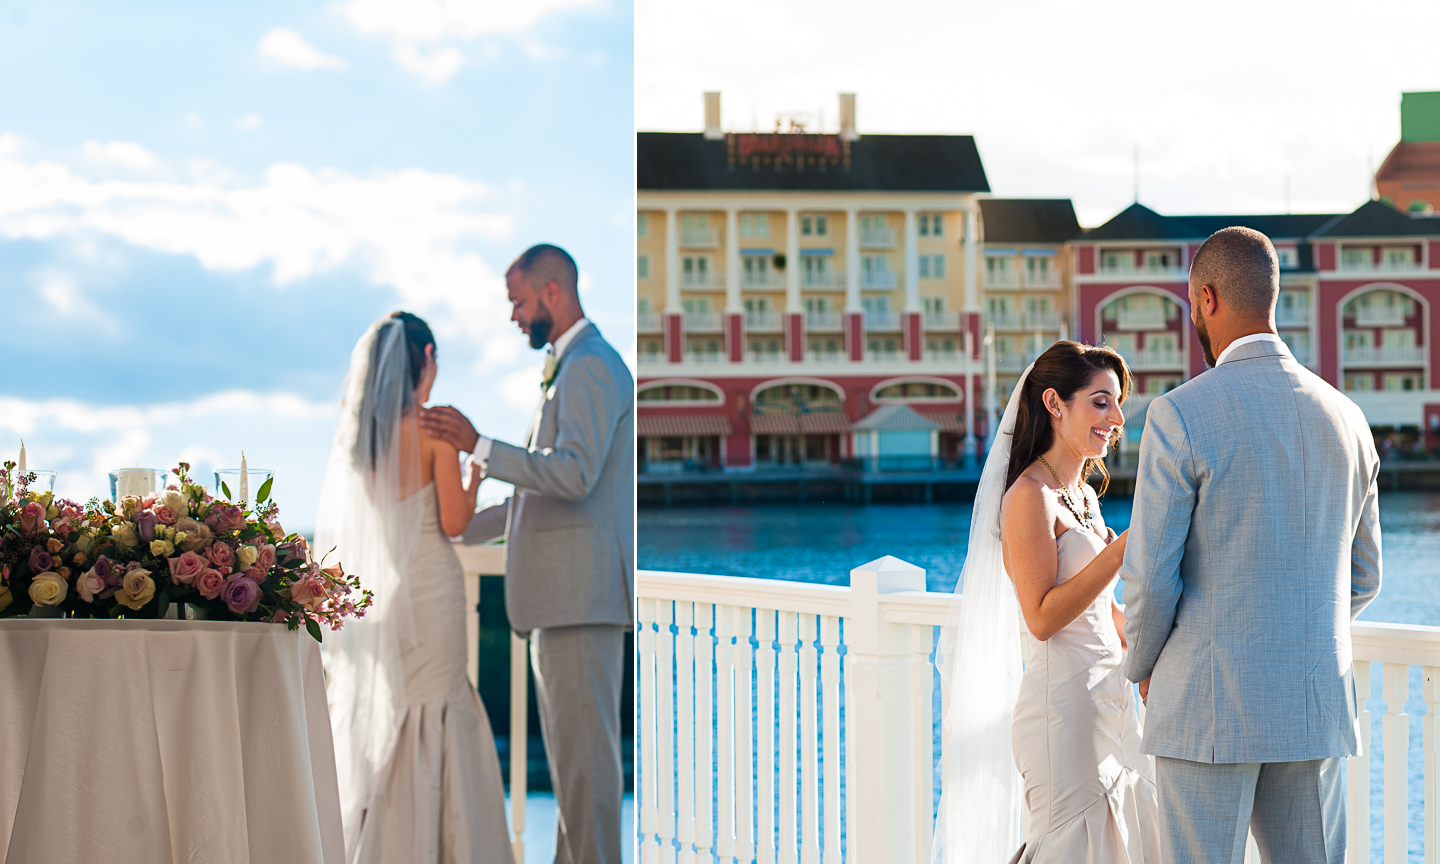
<point>647,322</point>
<point>706,279</point>
<point>699,237</point>
<point>877,238</point>
<point>878,280</point>
<point>1044,320</point>
<point>815,703</point>
<point>1153,360</point>
<point>1379,316</point>
<point>883,356</point>
<point>655,359</point>
<point>825,356</point>
<point>823,279</point>
<point>1007,320</point>
<point>763,322</point>
<point>704,357</point>
<point>1012,362</point>
<point>1165,274</point>
<point>766,357</point>
<point>1385,355</point>
<point>1293,317</point>
<point>882,320</point>
<point>944,319</point>
<point>1381,267</point>
<point>767,281</point>
<point>703,322</point>
<point>1003,279</point>
<point>951,356</point>
<point>824,321</point>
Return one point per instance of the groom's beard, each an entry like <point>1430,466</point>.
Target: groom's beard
<point>540,328</point>
<point>1201,332</point>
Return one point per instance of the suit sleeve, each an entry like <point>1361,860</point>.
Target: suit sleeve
<point>487,524</point>
<point>1365,548</point>
<point>589,411</point>
<point>1165,492</point>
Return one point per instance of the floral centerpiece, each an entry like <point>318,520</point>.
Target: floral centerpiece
<point>136,557</point>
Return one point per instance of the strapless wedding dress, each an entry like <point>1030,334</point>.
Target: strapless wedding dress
<point>1089,791</point>
<point>440,800</point>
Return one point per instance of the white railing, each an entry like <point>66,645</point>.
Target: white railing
<point>766,280</point>
<point>824,279</point>
<point>761,697</point>
<point>657,358</point>
<point>703,322</point>
<point>705,358</point>
<point>1168,274</point>
<point>1007,320</point>
<point>699,237</point>
<point>1140,319</point>
<point>647,322</point>
<point>882,320</point>
<point>489,560</point>
<point>1156,359</point>
<point>704,279</point>
<point>827,320</point>
<point>763,321</point>
<point>877,238</point>
<point>767,357</point>
<point>1385,355</point>
<point>1382,267</point>
<point>1006,278</point>
<point>1046,320</point>
<point>1293,317</point>
<point>878,279</point>
<point>944,319</point>
<point>1012,362</point>
<point>1380,315</point>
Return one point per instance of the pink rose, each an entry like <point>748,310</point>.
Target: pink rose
<point>185,568</point>
<point>148,501</point>
<point>241,594</point>
<point>257,575</point>
<point>165,515</point>
<point>266,559</point>
<point>308,591</point>
<point>209,583</point>
<point>225,517</point>
<point>221,556</point>
<point>89,584</point>
<point>32,517</point>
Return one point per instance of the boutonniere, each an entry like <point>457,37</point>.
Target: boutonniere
<point>552,368</point>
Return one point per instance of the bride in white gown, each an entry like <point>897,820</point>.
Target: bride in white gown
<point>419,776</point>
<point>1078,789</point>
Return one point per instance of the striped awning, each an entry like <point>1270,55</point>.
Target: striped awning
<point>947,422</point>
<point>819,423</point>
<point>680,426</point>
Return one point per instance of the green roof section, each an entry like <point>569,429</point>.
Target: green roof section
<point>1420,116</point>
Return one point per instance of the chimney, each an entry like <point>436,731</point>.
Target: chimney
<point>712,116</point>
<point>847,117</point>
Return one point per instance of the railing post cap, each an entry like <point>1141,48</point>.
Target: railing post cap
<point>888,574</point>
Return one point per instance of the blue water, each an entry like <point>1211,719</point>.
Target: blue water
<point>820,543</point>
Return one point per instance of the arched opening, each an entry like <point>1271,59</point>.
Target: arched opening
<point>797,422</point>
<point>1384,338</point>
<point>1148,326</point>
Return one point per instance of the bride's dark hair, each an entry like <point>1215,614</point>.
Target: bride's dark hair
<point>417,336</point>
<point>1065,367</point>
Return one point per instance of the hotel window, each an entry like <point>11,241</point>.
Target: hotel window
<point>997,269</point>
<point>695,269</point>
<point>1364,381</point>
<point>755,225</point>
<point>1125,343</point>
<point>879,346</point>
<point>1355,258</point>
<point>815,269</point>
<point>817,304</point>
<point>932,266</point>
<point>933,305</point>
<point>1397,259</point>
<point>1160,260</point>
<point>757,269</point>
<point>1402,382</point>
<point>1117,260</point>
<point>940,346</point>
<point>651,348</point>
<point>932,225</point>
<point>1161,384</point>
<point>1288,258</point>
<point>814,226</point>
<point>1037,271</point>
<point>875,267</point>
<point>1399,338</point>
<point>642,225</point>
<point>758,305</point>
<point>642,267</point>
<point>823,347</point>
<point>692,222</point>
<point>874,305</point>
<point>1359,340</point>
<point>697,305</point>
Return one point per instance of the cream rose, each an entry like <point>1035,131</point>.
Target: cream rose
<point>48,589</point>
<point>136,589</point>
<point>176,501</point>
<point>125,534</point>
<point>245,557</point>
<point>162,548</point>
<point>197,534</point>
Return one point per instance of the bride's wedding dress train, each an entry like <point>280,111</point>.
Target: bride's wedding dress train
<point>1089,793</point>
<point>440,799</point>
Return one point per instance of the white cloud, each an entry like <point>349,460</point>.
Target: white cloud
<point>249,122</point>
<point>286,48</point>
<point>125,154</point>
<point>194,120</point>
<point>410,24</point>
<point>408,229</point>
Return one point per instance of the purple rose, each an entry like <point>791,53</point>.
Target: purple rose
<point>40,560</point>
<point>145,523</point>
<point>109,571</point>
<point>241,594</point>
<point>293,549</point>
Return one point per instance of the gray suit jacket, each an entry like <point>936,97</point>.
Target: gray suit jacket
<point>570,527</point>
<point>1254,542</point>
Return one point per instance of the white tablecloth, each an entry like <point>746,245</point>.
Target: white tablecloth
<point>164,742</point>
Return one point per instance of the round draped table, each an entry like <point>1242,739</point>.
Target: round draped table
<point>162,742</point>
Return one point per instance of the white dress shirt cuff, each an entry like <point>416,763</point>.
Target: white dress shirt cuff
<point>481,456</point>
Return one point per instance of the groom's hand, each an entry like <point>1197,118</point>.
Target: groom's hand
<point>449,425</point>
<point>1144,689</point>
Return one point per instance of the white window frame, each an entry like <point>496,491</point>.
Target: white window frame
<point>642,267</point>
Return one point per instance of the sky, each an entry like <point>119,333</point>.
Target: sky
<point>203,207</point>
<point>1227,102</point>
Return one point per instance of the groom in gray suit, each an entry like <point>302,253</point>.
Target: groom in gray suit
<point>570,545</point>
<point>1254,543</point>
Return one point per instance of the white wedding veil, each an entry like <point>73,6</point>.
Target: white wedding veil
<point>370,525</point>
<point>979,820</point>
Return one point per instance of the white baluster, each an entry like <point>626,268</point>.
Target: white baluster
<point>847,677</point>
<point>789,685</point>
<point>649,771</point>
<point>665,720</point>
<point>1430,691</point>
<point>830,693</point>
<point>809,705</point>
<point>744,729</point>
<point>704,728</point>
<point>685,727</point>
<point>1357,776</point>
<point>922,690</point>
<point>725,732</point>
<point>1396,729</point>
<point>765,737</point>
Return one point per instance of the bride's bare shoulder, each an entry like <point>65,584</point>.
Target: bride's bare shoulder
<point>1026,500</point>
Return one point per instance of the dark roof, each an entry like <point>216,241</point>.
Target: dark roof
<point>1279,226</point>
<point>1028,220</point>
<point>1138,222</point>
<point>1378,219</point>
<point>809,163</point>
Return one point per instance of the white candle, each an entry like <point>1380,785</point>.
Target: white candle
<point>244,479</point>
<point>21,467</point>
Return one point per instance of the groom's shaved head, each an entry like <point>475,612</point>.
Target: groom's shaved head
<point>542,264</point>
<point>1241,266</point>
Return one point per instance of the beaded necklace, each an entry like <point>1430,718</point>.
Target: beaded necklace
<point>1088,520</point>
